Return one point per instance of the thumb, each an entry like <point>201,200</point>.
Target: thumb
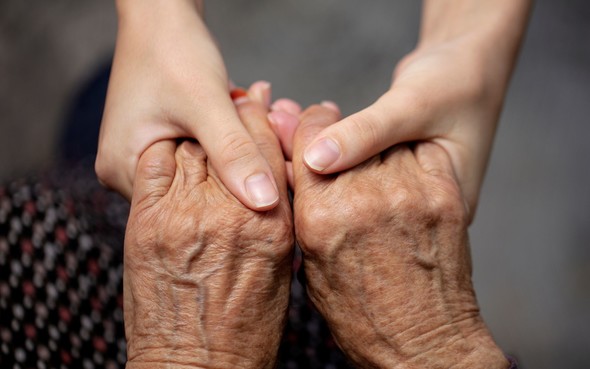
<point>231,149</point>
<point>395,118</point>
<point>155,172</point>
<point>313,121</point>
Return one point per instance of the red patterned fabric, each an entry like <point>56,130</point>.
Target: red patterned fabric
<point>61,270</point>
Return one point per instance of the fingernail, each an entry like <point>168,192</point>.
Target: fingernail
<point>261,190</point>
<point>330,105</point>
<point>260,92</point>
<point>322,154</point>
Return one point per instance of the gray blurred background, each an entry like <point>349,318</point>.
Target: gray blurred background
<point>531,236</point>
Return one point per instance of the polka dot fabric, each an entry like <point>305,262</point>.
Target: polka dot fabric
<point>61,303</point>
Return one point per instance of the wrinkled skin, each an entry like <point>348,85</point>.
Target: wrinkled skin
<point>386,257</point>
<point>206,279</point>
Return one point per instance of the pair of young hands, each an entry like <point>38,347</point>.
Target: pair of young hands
<point>170,83</point>
<point>386,256</point>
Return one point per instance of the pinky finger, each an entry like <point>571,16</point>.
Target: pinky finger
<point>284,126</point>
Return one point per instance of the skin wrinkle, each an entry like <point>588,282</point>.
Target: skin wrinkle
<point>192,359</point>
<point>393,281</point>
<point>205,277</point>
<point>382,334</point>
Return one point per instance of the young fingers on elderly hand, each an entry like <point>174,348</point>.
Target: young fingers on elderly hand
<point>389,121</point>
<point>312,121</point>
<point>284,119</point>
<point>253,106</point>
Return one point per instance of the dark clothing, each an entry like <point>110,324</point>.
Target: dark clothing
<point>61,303</point>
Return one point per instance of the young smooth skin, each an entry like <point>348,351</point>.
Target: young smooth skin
<point>449,91</point>
<point>206,279</point>
<point>386,257</point>
<point>169,81</point>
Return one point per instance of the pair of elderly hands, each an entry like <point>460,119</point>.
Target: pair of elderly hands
<point>385,248</point>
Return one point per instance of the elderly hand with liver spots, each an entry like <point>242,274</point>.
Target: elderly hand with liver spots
<point>206,278</point>
<point>386,256</point>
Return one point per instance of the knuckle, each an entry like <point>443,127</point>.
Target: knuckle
<point>432,206</point>
<point>260,234</point>
<point>447,206</point>
<point>403,200</point>
<point>365,127</point>
<point>314,228</point>
<point>322,229</point>
<point>268,143</point>
<point>239,149</point>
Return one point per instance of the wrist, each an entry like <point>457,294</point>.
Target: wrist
<point>144,12</point>
<point>474,351</point>
<point>487,20</point>
<point>490,30</point>
<point>195,359</point>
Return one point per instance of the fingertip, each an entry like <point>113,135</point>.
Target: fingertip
<point>261,191</point>
<point>290,177</point>
<point>284,126</point>
<point>331,105</point>
<point>287,106</point>
<point>307,158</point>
<point>322,154</point>
<point>260,91</point>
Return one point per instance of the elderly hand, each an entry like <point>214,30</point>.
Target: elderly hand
<point>386,257</point>
<point>206,279</point>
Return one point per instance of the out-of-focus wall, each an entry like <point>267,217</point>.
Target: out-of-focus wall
<point>530,239</point>
<point>47,48</point>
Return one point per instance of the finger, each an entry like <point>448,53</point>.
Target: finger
<point>253,112</point>
<point>155,172</point>
<point>284,126</point>
<point>191,165</point>
<point>234,154</point>
<point>401,160</point>
<point>287,106</point>
<point>260,92</point>
<point>331,105</point>
<point>313,121</point>
<point>389,121</point>
<point>290,180</point>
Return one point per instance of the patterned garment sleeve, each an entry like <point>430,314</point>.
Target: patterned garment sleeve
<point>61,304</point>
